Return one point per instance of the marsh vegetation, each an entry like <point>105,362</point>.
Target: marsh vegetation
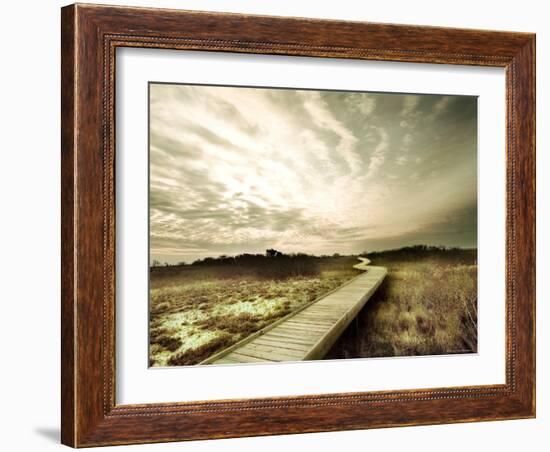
<point>427,305</point>
<point>197,310</point>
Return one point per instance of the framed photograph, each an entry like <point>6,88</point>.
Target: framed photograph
<point>281,225</point>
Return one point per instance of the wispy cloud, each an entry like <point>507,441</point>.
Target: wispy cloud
<point>241,169</point>
<point>440,107</point>
<point>323,118</point>
<point>378,156</point>
<point>363,103</point>
<point>410,102</point>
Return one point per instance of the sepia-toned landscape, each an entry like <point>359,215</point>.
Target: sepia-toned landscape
<point>290,225</point>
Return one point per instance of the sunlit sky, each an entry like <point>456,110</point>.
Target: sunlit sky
<point>235,170</point>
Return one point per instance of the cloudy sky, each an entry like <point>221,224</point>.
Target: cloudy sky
<point>236,170</point>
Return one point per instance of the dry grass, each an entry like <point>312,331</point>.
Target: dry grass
<point>425,306</point>
<point>196,312</point>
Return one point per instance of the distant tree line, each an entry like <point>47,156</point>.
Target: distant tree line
<point>409,253</point>
<point>272,256</point>
<point>246,259</point>
<point>253,259</point>
<point>272,264</point>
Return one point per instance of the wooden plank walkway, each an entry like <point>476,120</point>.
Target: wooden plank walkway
<point>310,332</point>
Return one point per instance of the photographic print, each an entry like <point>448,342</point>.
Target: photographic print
<point>294,224</point>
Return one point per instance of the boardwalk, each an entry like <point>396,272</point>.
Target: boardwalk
<point>310,332</point>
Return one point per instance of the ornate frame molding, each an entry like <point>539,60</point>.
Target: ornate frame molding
<point>90,37</point>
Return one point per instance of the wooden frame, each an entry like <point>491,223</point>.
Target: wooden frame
<point>90,35</point>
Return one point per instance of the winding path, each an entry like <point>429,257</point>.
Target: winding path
<point>311,331</point>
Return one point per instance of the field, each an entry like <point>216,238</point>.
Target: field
<point>427,305</point>
<point>198,310</point>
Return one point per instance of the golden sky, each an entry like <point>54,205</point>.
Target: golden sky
<point>236,170</point>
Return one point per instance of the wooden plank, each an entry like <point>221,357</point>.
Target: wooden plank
<point>299,320</point>
<point>332,311</point>
<point>307,322</point>
<point>302,330</point>
<point>299,329</point>
<point>264,355</point>
<point>322,308</point>
<point>307,338</point>
<point>228,360</point>
<point>317,318</point>
<point>242,358</point>
<point>333,307</point>
<point>303,327</point>
<point>298,340</point>
<point>320,315</point>
<point>293,330</point>
<point>285,336</point>
<point>342,307</point>
<point>266,350</point>
<point>283,344</point>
